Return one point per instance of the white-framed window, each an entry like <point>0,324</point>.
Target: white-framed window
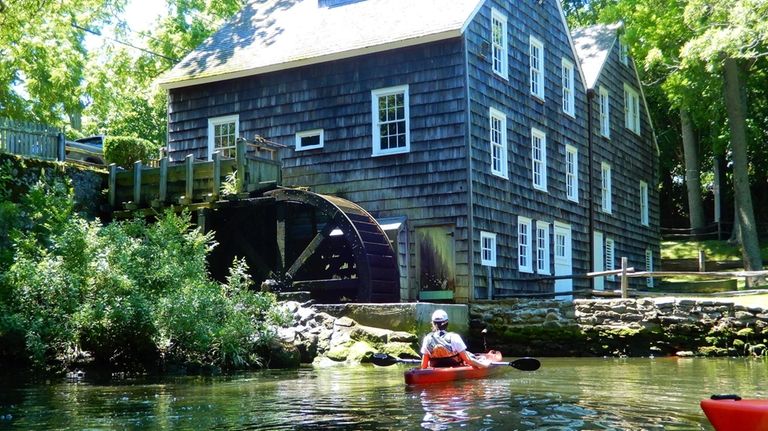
<point>605,189</point>
<point>498,138</point>
<point>605,112</point>
<point>487,249</point>
<point>624,53</point>
<point>536,58</point>
<point>499,43</point>
<point>310,139</point>
<point>610,252</point>
<point>572,173</point>
<point>391,120</point>
<point>569,106</point>
<point>539,159</point>
<point>631,109</point>
<point>524,253</point>
<point>649,266</point>
<point>542,247</point>
<point>643,203</point>
<point>222,135</point>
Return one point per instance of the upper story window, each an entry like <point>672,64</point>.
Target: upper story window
<point>572,173</point>
<point>605,112</point>
<point>644,203</point>
<point>539,159</point>
<point>309,140</point>
<point>542,247</point>
<point>536,55</point>
<point>222,135</point>
<point>624,53</point>
<point>487,249</point>
<point>499,43</point>
<point>524,254</point>
<point>391,121</point>
<point>498,130</point>
<point>605,190</point>
<point>569,106</point>
<point>631,109</point>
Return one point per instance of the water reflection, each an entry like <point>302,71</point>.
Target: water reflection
<point>565,394</point>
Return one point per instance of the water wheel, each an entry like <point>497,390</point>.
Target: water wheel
<point>333,248</point>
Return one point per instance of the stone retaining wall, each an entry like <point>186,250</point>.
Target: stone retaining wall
<point>616,327</point>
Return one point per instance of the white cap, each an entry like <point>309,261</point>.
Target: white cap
<point>439,316</point>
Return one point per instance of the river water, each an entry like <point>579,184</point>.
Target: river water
<point>565,394</point>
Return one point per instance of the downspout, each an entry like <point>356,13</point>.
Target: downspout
<point>470,192</point>
<point>590,186</point>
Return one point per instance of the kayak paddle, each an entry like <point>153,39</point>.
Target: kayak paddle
<point>522,364</point>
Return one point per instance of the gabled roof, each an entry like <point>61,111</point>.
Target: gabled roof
<point>593,44</point>
<point>270,35</point>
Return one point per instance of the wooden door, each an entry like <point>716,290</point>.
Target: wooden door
<point>563,259</point>
<point>435,262</point>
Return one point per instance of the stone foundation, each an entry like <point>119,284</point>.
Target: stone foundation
<point>618,327</point>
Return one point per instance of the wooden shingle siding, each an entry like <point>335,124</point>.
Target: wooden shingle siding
<point>428,184</point>
<point>633,159</point>
<point>498,201</point>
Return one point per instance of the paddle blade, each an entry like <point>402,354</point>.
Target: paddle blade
<point>526,364</point>
<point>383,359</point>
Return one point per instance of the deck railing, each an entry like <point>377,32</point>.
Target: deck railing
<point>192,182</point>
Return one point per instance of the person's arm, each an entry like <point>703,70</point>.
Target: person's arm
<point>425,360</point>
<point>473,360</point>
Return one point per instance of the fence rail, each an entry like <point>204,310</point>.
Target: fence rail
<point>625,273</point>
<point>30,139</point>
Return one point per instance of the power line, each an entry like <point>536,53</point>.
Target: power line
<point>98,33</point>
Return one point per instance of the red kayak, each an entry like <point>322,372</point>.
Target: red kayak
<point>422,376</point>
<point>731,413</point>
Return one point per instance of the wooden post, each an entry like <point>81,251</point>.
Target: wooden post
<point>240,157</point>
<point>112,184</point>
<point>624,278</point>
<point>216,175</point>
<point>137,183</point>
<point>702,261</point>
<point>190,183</point>
<point>163,193</point>
<point>61,152</point>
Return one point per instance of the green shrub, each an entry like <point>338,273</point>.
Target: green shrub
<point>125,150</point>
<point>131,294</point>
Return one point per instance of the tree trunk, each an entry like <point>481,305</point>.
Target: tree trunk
<point>736,107</point>
<point>692,175</point>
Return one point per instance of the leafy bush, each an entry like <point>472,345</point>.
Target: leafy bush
<point>130,294</point>
<point>125,150</point>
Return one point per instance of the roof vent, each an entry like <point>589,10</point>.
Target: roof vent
<point>335,3</point>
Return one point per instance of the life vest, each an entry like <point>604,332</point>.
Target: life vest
<point>441,352</point>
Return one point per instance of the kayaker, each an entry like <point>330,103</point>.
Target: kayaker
<point>446,349</point>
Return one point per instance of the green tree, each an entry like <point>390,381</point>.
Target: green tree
<point>731,35</point>
<point>43,58</point>
<point>123,98</point>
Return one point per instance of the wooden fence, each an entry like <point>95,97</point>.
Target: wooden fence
<point>29,139</point>
<point>625,273</point>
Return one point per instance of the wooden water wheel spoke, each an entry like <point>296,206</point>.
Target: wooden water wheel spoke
<point>310,250</point>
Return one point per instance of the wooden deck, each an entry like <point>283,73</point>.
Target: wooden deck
<point>193,183</point>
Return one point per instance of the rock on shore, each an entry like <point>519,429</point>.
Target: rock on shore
<point>323,340</point>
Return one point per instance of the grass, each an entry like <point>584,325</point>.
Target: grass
<point>714,250</point>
